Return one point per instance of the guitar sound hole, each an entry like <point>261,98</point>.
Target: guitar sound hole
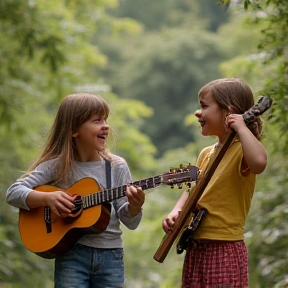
<point>78,205</point>
<point>76,211</point>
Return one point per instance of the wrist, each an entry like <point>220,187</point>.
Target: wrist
<point>134,211</point>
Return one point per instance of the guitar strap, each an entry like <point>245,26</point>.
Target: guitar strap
<point>108,173</point>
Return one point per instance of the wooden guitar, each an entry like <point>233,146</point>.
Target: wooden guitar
<point>48,235</point>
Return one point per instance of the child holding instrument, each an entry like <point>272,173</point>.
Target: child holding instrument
<point>216,256</point>
<point>76,149</point>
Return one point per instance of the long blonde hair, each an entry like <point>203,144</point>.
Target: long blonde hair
<point>74,110</point>
<point>235,96</point>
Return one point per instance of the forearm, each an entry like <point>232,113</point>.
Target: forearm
<point>180,203</point>
<point>36,199</point>
<point>169,221</point>
<point>131,222</point>
<point>254,153</point>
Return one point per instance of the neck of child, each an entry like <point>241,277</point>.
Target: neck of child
<point>84,156</point>
<point>222,140</point>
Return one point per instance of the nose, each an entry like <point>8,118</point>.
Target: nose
<point>198,113</point>
<point>105,126</point>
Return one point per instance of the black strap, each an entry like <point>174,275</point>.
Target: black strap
<point>108,173</point>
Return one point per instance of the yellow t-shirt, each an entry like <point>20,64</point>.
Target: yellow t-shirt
<point>228,195</point>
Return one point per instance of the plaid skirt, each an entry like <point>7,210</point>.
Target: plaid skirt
<point>215,264</point>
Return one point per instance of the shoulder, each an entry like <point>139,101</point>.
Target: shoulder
<point>117,161</point>
<point>42,174</point>
<point>205,151</point>
<point>47,170</point>
<point>205,155</point>
<point>120,170</point>
<point>47,165</point>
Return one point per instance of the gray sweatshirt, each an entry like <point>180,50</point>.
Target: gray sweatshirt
<point>120,175</point>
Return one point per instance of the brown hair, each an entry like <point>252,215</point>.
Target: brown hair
<point>235,96</point>
<point>74,110</point>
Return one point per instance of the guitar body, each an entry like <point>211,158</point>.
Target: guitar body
<point>65,232</point>
<point>189,231</point>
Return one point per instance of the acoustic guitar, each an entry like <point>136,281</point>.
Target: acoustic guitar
<point>48,235</point>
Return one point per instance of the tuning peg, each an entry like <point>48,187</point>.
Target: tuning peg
<point>185,167</point>
<point>172,170</point>
<point>189,184</point>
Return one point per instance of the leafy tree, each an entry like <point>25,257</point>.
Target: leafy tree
<point>156,15</point>
<point>166,66</point>
<point>272,17</point>
<point>46,53</point>
<point>166,72</point>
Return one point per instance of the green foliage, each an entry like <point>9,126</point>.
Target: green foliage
<point>156,15</point>
<point>274,46</point>
<point>166,66</point>
<point>173,68</point>
<point>46,54</point>
<point>266,228</point>
<point>128,141</point>
<point>52,48</point>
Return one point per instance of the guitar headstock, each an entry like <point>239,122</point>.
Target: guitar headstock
<point>263,104</point>
<point>178,176</point>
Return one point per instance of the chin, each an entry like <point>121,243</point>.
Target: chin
<point>204,133</point>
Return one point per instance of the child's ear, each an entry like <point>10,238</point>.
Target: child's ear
<point>226,112</point>
<point>232,110</point>
<point>229,110</point>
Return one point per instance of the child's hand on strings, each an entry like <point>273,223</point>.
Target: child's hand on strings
<point>60,202</point>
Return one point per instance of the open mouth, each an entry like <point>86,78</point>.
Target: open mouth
<point>201,122</point>
<point>102,136</point>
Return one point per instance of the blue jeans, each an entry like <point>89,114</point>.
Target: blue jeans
<point>87,267</point>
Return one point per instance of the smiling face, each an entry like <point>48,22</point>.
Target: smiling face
<point>211,117</point>
<point>91,136</point>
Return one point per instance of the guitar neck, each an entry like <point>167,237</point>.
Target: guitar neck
<point>110,194</point>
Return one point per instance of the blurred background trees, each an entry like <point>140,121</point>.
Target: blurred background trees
<point>148,60</point>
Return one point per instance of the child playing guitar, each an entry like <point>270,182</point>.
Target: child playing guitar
<point>76,149</point>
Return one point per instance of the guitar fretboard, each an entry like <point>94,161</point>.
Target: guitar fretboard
<point>108,195</point>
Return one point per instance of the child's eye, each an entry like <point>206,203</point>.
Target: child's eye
<point>100,120</point>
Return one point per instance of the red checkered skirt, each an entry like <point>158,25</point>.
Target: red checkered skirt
<point>215,264</point>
